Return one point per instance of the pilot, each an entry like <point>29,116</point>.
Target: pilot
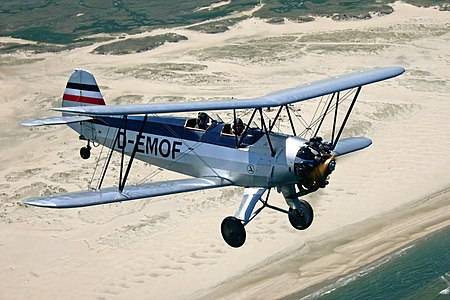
<point>202,121</point>
<point>238,126</point>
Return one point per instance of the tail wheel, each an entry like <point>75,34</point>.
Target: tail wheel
<point>302,216</point>
<point>233,232</point>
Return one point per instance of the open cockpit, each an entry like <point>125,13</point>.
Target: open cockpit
<point>219,132</point>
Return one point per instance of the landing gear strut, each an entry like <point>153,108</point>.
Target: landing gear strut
<point>233,232</point>
<point>302,216</point>
<point>85,152</point>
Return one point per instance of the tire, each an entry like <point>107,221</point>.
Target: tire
<point>302,217</point>
<point>233,232</point>
<point>85,152</point>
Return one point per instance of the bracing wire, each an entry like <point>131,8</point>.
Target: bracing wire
<point>98,161</point>
<point>316,121</point>
<point>315,112</point>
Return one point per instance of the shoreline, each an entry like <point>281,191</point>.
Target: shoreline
<point>425,216</point>
<point>330,285</point>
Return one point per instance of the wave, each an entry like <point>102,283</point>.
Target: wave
<point>345,280</point>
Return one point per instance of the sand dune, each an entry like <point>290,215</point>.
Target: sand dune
<point>170,247</point>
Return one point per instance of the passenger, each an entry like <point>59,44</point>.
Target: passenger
<point>238,126</point>
<point>202,121</point>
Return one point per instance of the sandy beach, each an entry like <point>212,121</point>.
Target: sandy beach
<point>170,247</point>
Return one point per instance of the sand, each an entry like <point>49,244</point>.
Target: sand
<point>170,247</point>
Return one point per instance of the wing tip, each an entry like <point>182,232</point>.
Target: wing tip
<point>39,203</point>
<point>399,69</point>
<point>362,143</point>
<point>27,123</point>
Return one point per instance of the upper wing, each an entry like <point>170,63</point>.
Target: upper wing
<point>55,120</point>
<point>303,92</point>
<point>111,194</point>
<point>351,144</point>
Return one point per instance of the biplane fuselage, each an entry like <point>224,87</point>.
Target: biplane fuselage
<point>166,142</point>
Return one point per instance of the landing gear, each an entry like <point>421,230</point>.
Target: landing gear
<point>233,232</point>
<point>302,216</point>
<point>85,152</point>
<point>300,213</point>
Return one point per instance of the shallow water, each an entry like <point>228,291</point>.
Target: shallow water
<point>413,273</point>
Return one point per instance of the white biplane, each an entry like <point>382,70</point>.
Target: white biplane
<point>214,153</point>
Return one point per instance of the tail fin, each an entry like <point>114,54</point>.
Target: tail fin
<point>81,90</point>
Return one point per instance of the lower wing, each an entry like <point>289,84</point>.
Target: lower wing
<point>132,192</point>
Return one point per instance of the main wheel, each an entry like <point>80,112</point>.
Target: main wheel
<point>302,216</point>
<point>233,232</point>
<point>85,152</point>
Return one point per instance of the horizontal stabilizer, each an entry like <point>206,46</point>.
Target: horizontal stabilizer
<point>351,144</point>
<point>284,97</point>
<point>132,192</point>
<point>55,120</point>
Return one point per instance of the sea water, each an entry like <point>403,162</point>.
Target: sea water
<point>416,272</point>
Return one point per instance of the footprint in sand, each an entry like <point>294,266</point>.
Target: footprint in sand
<point>26,174</point>
<point>130,233</point>
<point>36,189</point>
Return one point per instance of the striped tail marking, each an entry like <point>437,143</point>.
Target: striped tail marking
<point>82,89</point>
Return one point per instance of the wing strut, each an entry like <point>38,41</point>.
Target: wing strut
<point>123,176</point>
<point>236,141</point>
<point>290,120</point>
<point>329,108</point>
<point>133,154</point>
<point>125,119</point>
<point>263,124</point>
<point>346,117</point>
<point>275,119</point>
<point>246,128</point>
<point>324,115</point>
<point>105,168</point>
<point>335,117</point>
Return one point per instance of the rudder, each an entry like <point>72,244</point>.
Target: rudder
<point>81,90</point>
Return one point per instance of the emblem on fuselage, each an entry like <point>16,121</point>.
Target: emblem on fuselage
<point>250,169</point>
